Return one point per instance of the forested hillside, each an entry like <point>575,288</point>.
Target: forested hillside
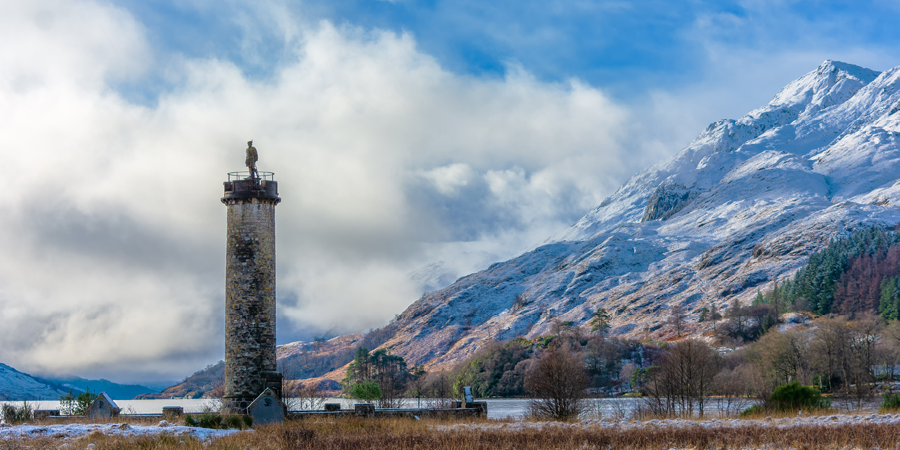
<point>856,274</point>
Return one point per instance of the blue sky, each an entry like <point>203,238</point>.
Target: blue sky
<point>626,47</point>
<point>414,142</point>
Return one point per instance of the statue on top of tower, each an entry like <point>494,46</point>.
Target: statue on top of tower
<point>252,157</point>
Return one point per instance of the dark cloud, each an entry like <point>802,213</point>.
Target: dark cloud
<point>110,234</point>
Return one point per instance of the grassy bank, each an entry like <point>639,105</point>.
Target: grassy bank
<point>410,434</point>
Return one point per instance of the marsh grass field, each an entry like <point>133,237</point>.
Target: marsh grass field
<point>812,432</point>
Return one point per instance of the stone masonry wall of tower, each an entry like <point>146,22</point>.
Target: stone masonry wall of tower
<point>249,299</point>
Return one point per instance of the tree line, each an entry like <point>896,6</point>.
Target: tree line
<point>846,358</point>
<point>856,274</point>
<point>832,354</point>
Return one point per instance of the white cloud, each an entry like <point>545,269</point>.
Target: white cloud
<point>448,179</point>
<point>113,233</point>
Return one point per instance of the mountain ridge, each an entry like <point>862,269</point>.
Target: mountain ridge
<point>115,390</point>
<point>744,204</point>
<point>15,385</point>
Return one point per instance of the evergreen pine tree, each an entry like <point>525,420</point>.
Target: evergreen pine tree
<point>890,297</point>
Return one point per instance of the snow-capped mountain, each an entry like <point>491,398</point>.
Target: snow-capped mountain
<point>15,385</point>
<point>742,205</point>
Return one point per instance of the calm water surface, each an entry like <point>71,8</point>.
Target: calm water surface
<point>497,408</point>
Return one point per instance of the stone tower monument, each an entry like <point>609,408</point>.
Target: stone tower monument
<point>250,286</point>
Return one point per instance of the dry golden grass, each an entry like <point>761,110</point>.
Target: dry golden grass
<point>390,434</point>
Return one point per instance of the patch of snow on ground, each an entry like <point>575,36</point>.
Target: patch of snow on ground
<point>111,429</point>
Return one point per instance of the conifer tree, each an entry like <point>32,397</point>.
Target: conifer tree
<point>600,321</point>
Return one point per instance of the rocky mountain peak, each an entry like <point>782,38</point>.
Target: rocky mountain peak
<point>832,83</point>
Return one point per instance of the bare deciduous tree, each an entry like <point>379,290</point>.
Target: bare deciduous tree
<point>439,389</point>
<point>300,395</point>
<point>557,382</point>
<point>846,352</point>
<point>676,319</point>
<point>306,397</point>
<point>782,358</point>
<point>861,356</point>
<point>889,356</point>
<point>734,388</point>
<point>683,381</point>
<point>828,347</point>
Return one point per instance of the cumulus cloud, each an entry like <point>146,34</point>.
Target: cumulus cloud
<point>448,179</point>
<point>113,233</point>
<point>397,174</point>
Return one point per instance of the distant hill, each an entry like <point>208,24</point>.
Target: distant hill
<point>15,385</point>
<point>115,390</point>
<point>208,382</point>
<point>297,361</point>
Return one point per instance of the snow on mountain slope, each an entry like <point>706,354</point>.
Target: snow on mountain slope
<point>15,385</point>
<point>706,160</point>
<point>742,205</point>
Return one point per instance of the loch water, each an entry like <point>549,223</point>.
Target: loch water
<point>497,408</point>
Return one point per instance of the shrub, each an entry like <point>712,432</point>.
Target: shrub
<point>754,410</point>
<point>794,396</point>
<point>218,421</point>
<point>76,405</point>
<point>238,422</point>
<point>13,414</point>
<point>367,390</point>
<point>891,402</point>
